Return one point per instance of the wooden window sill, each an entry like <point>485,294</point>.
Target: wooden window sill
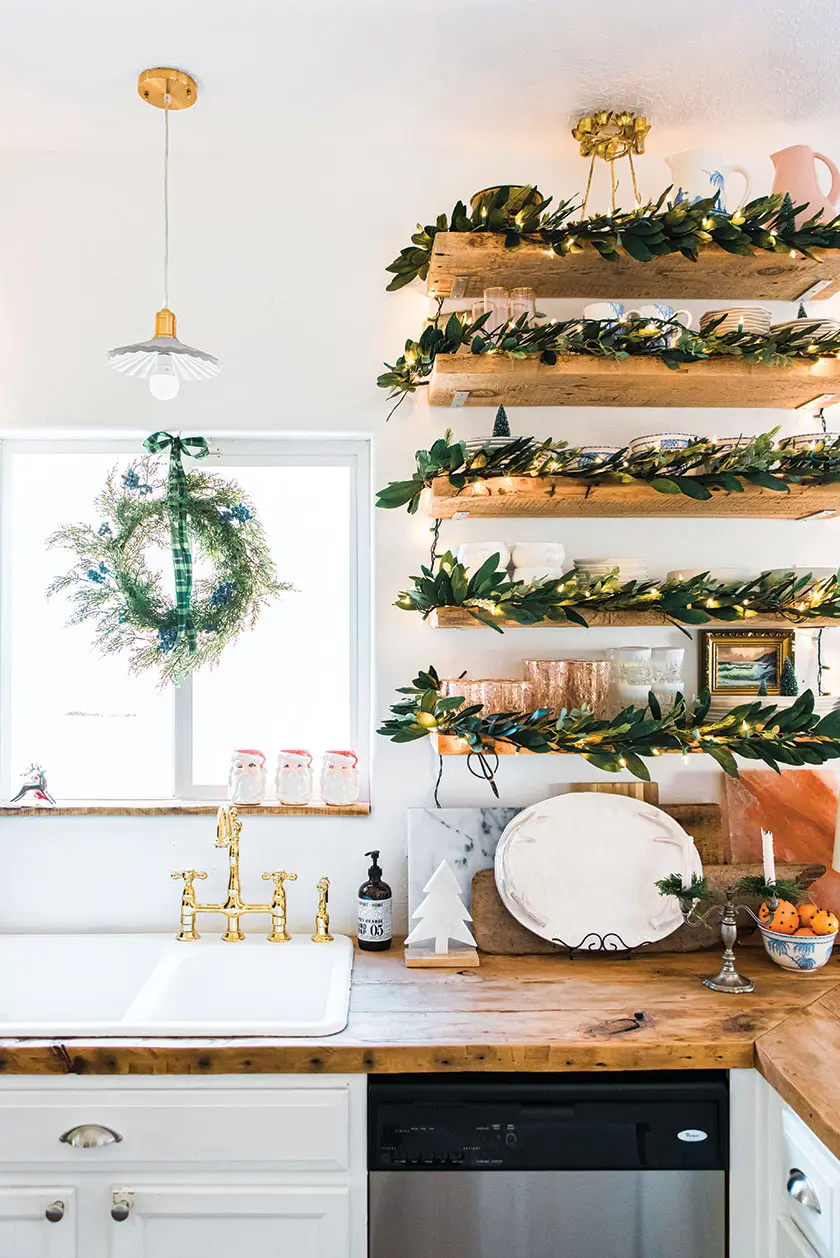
<point>185,808</point>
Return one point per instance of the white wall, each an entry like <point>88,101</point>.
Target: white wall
<point>277,266</point>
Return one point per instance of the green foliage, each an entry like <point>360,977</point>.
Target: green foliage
<point>663,339</point>
<point>695,471</point>
<point>788,685</point>
<point>490,596</point>
<point>112,584</point>
<point>782,889</point>
<point>697,889</point>
<point>794,736</point>
<point>653,230</point>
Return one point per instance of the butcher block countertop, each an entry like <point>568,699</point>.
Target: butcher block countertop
<point>530,1014</point>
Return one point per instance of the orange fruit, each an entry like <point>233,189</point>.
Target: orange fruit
<point>807,913</point>
<point>785,920</point>
<point>805,930</point>
<point>825,923</point>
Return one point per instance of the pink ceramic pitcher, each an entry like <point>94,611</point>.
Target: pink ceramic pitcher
<point>796,173</point>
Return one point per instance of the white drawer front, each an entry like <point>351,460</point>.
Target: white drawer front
<point>790,1243</point>
<point>298,1128</point>
<point>811,1174</point>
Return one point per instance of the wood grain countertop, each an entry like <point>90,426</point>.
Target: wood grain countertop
<point>529,1014</point>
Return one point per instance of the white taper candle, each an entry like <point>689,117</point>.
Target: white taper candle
<point>767,856</point>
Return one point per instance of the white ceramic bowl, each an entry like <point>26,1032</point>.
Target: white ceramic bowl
<point>525,554</point>
<point>473,554</point>
<point>797,952</point>
<point>812,440</point>
<point>662,441</point>
<point>591,457</point>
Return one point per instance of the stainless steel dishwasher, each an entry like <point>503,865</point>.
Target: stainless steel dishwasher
<point>548,1166</point>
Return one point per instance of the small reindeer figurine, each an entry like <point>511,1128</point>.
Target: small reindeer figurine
<point>33,789</point>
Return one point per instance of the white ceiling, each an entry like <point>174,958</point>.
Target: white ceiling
<point>409,72</point>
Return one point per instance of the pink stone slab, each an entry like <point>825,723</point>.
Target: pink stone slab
<point>800,807</point>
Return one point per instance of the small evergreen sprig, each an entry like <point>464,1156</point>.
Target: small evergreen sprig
<point>697,889</point>
<point>655,229</point>
<point>758,886</point>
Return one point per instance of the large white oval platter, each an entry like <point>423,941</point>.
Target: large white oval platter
<point>585,864</point>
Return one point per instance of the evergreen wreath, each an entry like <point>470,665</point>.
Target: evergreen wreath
<point>113,584</point>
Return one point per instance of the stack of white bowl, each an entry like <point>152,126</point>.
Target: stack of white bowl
<point>629,568</point>
<point>538,561</point>
<point>737,319</point>
<point>473,554</point>
<point>814,329</point>
<point>722,704</point>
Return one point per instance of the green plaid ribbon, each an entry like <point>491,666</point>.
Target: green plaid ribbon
<point>177,497</point>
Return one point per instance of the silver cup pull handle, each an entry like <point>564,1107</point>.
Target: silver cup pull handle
<point>800,1189</point>
<point>121,1209</point>
<point>54,1212</point>
<point>90,1136</point>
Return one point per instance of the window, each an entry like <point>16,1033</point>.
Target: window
<point>300,679</point>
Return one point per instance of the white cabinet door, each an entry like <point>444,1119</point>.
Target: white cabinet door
<point>25,1230</point>
<point>790,1243</point>
<point>220,1221</point>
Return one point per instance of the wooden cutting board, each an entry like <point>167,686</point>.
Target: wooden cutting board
<point>498,933</point>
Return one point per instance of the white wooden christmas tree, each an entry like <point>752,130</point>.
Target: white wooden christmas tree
<point>442,915</point>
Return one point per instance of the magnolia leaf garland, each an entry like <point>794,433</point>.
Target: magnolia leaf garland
<point>113,584</point>
<point>767,224</point>
<point>755,731</point>
<point>489,595</point>
<point>694,471</point>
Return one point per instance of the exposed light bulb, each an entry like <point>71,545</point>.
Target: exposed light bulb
<point>163,383</point>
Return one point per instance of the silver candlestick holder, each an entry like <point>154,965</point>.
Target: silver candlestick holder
<point>727,978</point>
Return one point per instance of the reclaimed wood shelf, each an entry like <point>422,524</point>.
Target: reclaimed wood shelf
<point>175,808</point>
<point>451,745</point>
<point>466,379</point>
<point>460,618</point>
<point>562,496</point>
<point>463,264</point>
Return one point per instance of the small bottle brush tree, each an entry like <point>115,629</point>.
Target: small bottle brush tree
<point>762,690</point>
<point>788,685</point>
<point>501,427</point>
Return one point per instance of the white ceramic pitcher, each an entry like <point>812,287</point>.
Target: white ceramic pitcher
<point>700,173</point>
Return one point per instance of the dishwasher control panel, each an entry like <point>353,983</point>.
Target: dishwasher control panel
<point>558,1123</point>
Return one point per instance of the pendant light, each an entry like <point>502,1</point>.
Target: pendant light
<point>164,360</point>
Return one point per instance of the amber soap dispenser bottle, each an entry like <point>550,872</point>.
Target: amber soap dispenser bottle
<point>374,909</point>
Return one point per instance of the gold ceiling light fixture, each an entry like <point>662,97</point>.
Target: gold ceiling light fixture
<point>164,360</point>
<point>611,134</point>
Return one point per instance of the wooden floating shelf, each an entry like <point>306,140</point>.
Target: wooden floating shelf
<point>582,380</point>
<point>463,264</point>
<point>450,745</point>
<point>561,496</point>
<point>174,808</point>
<point>459,618</point>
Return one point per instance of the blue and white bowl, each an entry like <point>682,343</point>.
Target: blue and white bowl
<point>662,441</point>
<point>591,457</point>
<point>797,952</point>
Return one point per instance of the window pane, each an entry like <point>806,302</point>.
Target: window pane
<point>99,732</point>
<point>287,684</point>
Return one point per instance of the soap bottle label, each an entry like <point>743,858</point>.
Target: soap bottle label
<point>375,920</point>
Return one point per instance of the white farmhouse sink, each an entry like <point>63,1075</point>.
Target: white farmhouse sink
<point>131,985</point>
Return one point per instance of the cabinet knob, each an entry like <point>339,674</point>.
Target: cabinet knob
<point>54,1213</point>
<point>121,1208</point>
<point>90,1136</point>
<point>801,1190</point>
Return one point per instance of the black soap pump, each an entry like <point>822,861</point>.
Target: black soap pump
<point>375,927</point>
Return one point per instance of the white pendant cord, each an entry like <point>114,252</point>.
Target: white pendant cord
<point>166,99</point>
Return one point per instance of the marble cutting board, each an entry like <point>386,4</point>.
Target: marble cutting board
<point>464,837</point>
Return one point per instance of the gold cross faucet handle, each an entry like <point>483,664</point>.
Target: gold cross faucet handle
<point>189,876</point>
<point>278,877</point>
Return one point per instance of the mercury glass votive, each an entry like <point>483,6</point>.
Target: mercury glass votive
<point>505,694</point>
<point>569,684</point>
<point>466,686</point>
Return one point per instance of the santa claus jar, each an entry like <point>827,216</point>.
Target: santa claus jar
<point>246,780</point>
<point>293,778</point>
<point>340,777</point>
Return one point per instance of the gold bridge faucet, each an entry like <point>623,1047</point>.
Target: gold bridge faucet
<point>228,830</point>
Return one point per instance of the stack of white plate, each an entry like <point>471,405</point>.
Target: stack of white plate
<point>815,329</point>
<point>722,704</point>
<point>629,569</point>
<point>737,319</point>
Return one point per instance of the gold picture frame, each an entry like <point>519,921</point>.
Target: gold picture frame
<point>736,663</point>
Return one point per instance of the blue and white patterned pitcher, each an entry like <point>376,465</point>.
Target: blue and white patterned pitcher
<point>700,173</point>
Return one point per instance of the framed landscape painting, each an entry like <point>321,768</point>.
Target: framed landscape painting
<point>737,663</point>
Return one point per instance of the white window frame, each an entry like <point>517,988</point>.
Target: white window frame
<point>228,450</point>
